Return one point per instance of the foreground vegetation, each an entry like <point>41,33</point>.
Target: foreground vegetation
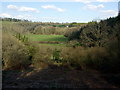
<point>93,46</point>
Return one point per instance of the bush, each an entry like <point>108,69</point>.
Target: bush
<point>42,57</point>
<point>113,48</point>
<point>71,56</point>
<point>97,58</point>
<point>56,55</point>
<point>73,43</point>
<point>15,54</point>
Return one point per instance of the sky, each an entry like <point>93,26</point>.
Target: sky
<point>59,10</point>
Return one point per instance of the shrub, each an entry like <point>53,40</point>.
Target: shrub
<point>73,43</point>
<point>56,55</point>
<point>113,48</point>
<point>15,54</point>
<point>97,58</point>
<point>42,57</point>
<point>71,56</point>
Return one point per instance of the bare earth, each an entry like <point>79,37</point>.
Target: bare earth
<point>54,77</point>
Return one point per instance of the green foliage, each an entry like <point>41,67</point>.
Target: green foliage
<point>71,33</point>
<point>21,37</point>
<point>13,19</point>
<point>75,24</point>
<point>56,55</point>
<point>32,50</point>
<point>74,35</point>
<point>73,43</point>
<point>59,25</point>
<point>96,34</point>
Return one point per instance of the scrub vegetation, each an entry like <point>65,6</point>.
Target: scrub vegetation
<point>93,46</point>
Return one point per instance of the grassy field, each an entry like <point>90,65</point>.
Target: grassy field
<point>60,40</point>
<point>57,38</point>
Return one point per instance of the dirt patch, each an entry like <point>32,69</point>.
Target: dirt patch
<point>57,77</point>
<point>48,42</point>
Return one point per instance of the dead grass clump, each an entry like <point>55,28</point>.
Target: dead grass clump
<point>15,54</point>
<point>42,57</point>
<point>90,58</point>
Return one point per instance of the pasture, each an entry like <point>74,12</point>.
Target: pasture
<point>48,41</point>
<point>55,38</point>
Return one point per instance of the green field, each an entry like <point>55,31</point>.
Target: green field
<point>57,38</point>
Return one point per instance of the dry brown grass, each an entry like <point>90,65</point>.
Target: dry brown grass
<point>42,57</point>
<point>91,58</point>
<point>15,54</point>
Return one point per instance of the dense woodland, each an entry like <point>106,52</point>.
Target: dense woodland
<point>92,45</point>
